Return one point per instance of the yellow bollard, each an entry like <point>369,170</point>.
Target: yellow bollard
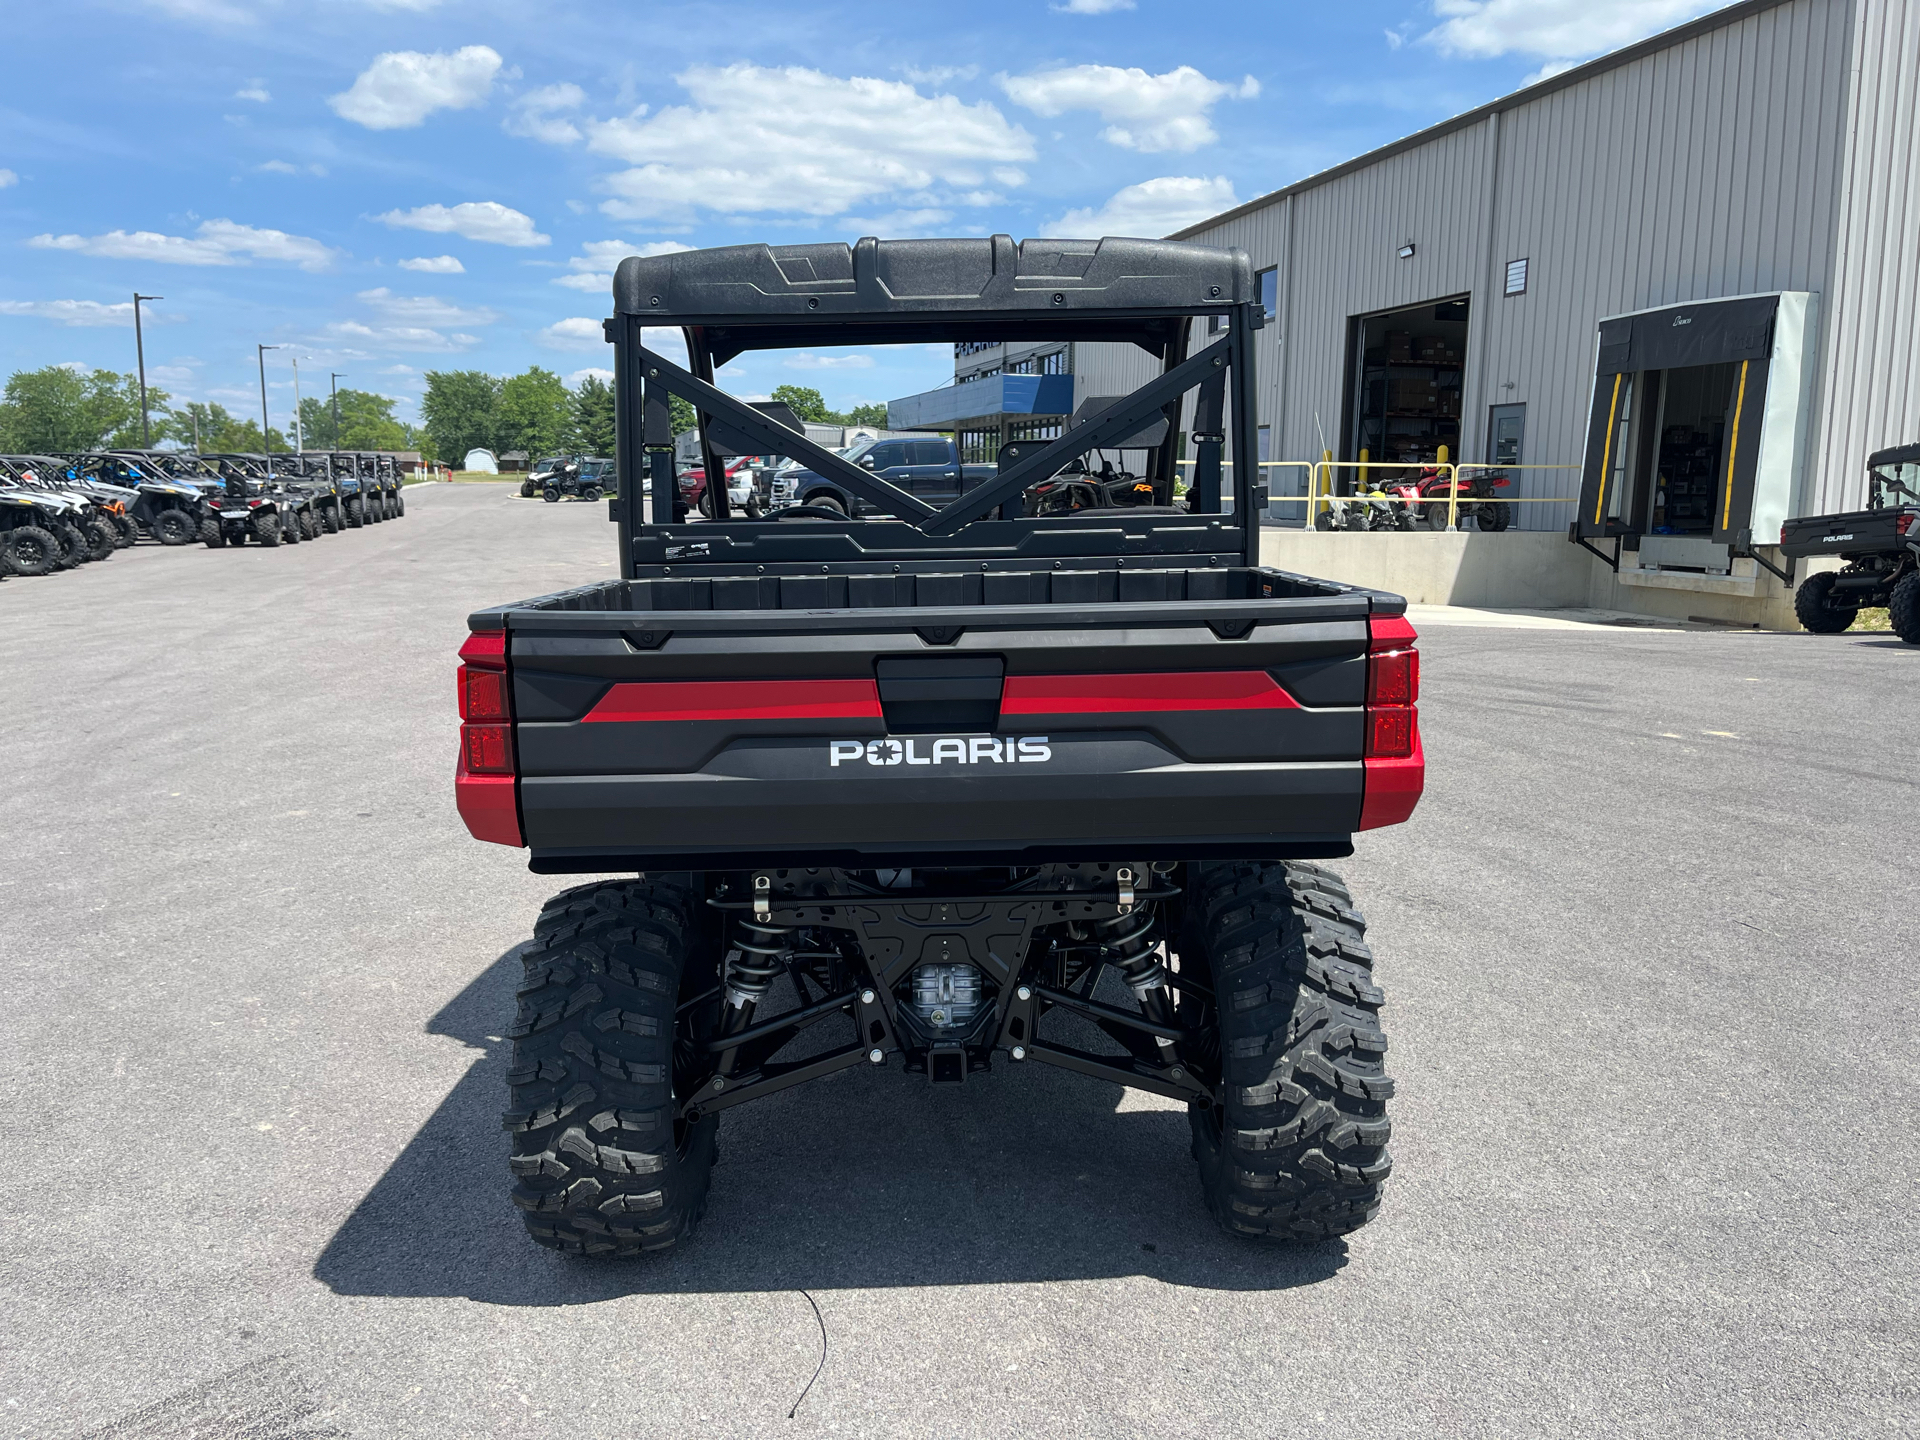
<point>1440,459</point>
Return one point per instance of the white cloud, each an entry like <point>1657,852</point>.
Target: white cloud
<point>355,339</point>
<point>1548,71</point>
<point>576,333</point>
<point>534,114</point>
<point>84,312</point>
<point>487,221</point>
<point>591,372</point>
<point>255,90</point>
<point>593,266</point>
<point>1151,209</point>
<point>1155,112</point>
<point>758,140</point>
<point>1553,29</point>
<point>7,177</point>
<point>216,242</point>
<point>425,309</point>
<point>402,87</point>
<point>434,265</point>
<point>1093,7</point>
<point>805,361</point>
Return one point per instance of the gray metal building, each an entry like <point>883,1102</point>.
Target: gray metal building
<point>1770,149</point>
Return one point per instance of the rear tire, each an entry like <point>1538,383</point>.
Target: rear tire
<point>601,1166</point>
<point>1295,1150</point>
<point>309,528</point>
<point>1494,515</point>
<point>31,550</point>
<point>825,502</point>
<point>99,538</point>
<point>175,527</point>
<point>1813,607</point>
<point>211,535</point>
<point>1903,608</point>
<point>551,495</point>
<point>399,503</point>
<point>126,533</point>
<point>267,529</point>
<point>590,493</point>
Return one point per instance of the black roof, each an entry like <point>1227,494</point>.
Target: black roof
<point>891,291</point>
<point>1898,455</point>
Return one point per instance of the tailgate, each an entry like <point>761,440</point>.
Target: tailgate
<point>990,735</point>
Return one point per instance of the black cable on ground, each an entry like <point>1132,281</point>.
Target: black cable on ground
<point>823,1356</point>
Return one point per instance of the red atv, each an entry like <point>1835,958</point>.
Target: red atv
<point>1425,499</point>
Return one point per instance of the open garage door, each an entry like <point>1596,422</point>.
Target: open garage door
<point>1698,421</point>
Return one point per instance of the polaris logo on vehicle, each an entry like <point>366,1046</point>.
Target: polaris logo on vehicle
<point>947,750</point>
<point>1836,539</point>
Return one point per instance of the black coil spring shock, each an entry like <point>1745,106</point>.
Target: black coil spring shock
<point>758,958</point>
<point>1125,943</point>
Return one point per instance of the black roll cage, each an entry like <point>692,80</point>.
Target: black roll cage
<point>987,521</point>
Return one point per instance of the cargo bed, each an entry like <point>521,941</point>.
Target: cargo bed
<point>1000,716</point>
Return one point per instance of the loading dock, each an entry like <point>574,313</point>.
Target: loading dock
<point>1698,431</point>
<point>1405,373</point>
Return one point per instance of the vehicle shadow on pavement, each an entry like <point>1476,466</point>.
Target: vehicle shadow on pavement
<point>865,1179</point>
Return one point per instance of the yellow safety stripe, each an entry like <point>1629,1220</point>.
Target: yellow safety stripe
<point>1733,447</point>
<point>1606,453</point>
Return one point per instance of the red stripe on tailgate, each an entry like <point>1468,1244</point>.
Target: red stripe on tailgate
<point>1141,694</point>
<point>739,700</point>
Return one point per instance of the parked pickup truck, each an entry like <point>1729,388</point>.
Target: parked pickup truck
<point>979,787</point>
<point>929,468</point>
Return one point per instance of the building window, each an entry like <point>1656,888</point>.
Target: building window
<point>979,447</point>
<point>1054,362</point>
<point>1516,277</point>
<point>964,348</point>
<point>986,374</point>
<point>1269,290</point>
<point>1035,430</point>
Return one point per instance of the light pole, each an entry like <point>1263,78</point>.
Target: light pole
<point>336,374</point>
<point>140,353</point>
<point>266,432</point>
<point>299,434</point>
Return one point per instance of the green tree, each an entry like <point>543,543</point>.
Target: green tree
<point>459,409</point>
<point>56,409</point>
<point>593,417</point>
<point>366,423</point>
<point>681,414</point>
<point>874,414</point>
<point>212,430</point>
<point>534,413</point>
<point>807,404</point>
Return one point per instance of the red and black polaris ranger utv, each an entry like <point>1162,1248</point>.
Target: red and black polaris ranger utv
<point>929,777</point>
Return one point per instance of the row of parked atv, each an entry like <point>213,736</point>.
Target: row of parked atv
<point>61,511</point>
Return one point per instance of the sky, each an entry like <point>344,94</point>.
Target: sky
<point>387,187</point>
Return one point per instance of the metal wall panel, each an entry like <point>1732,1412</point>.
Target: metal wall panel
<point>1871,395</point>
<point>1708,168</point>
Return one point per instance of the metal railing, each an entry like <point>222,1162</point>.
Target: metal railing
<point>1320,493</point>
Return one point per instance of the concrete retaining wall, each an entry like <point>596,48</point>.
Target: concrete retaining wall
<point>1526,570</point>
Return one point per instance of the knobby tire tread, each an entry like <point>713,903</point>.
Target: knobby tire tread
<point>1296,1151</point>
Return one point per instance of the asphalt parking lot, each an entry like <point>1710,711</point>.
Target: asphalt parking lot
<point>1649,945</point>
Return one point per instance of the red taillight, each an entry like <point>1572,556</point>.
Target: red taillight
<point>1393,678</point>
<point>484,782</point>
<point>1904,523</point>
<point>488,749</point>
<point>1395,767</point>
<point>483,694</point>
<point>1390,733</point>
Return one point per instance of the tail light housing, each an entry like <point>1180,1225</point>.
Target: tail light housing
<point>1394,763</point>
<point>1904,524</point>
<point>483,780</point>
